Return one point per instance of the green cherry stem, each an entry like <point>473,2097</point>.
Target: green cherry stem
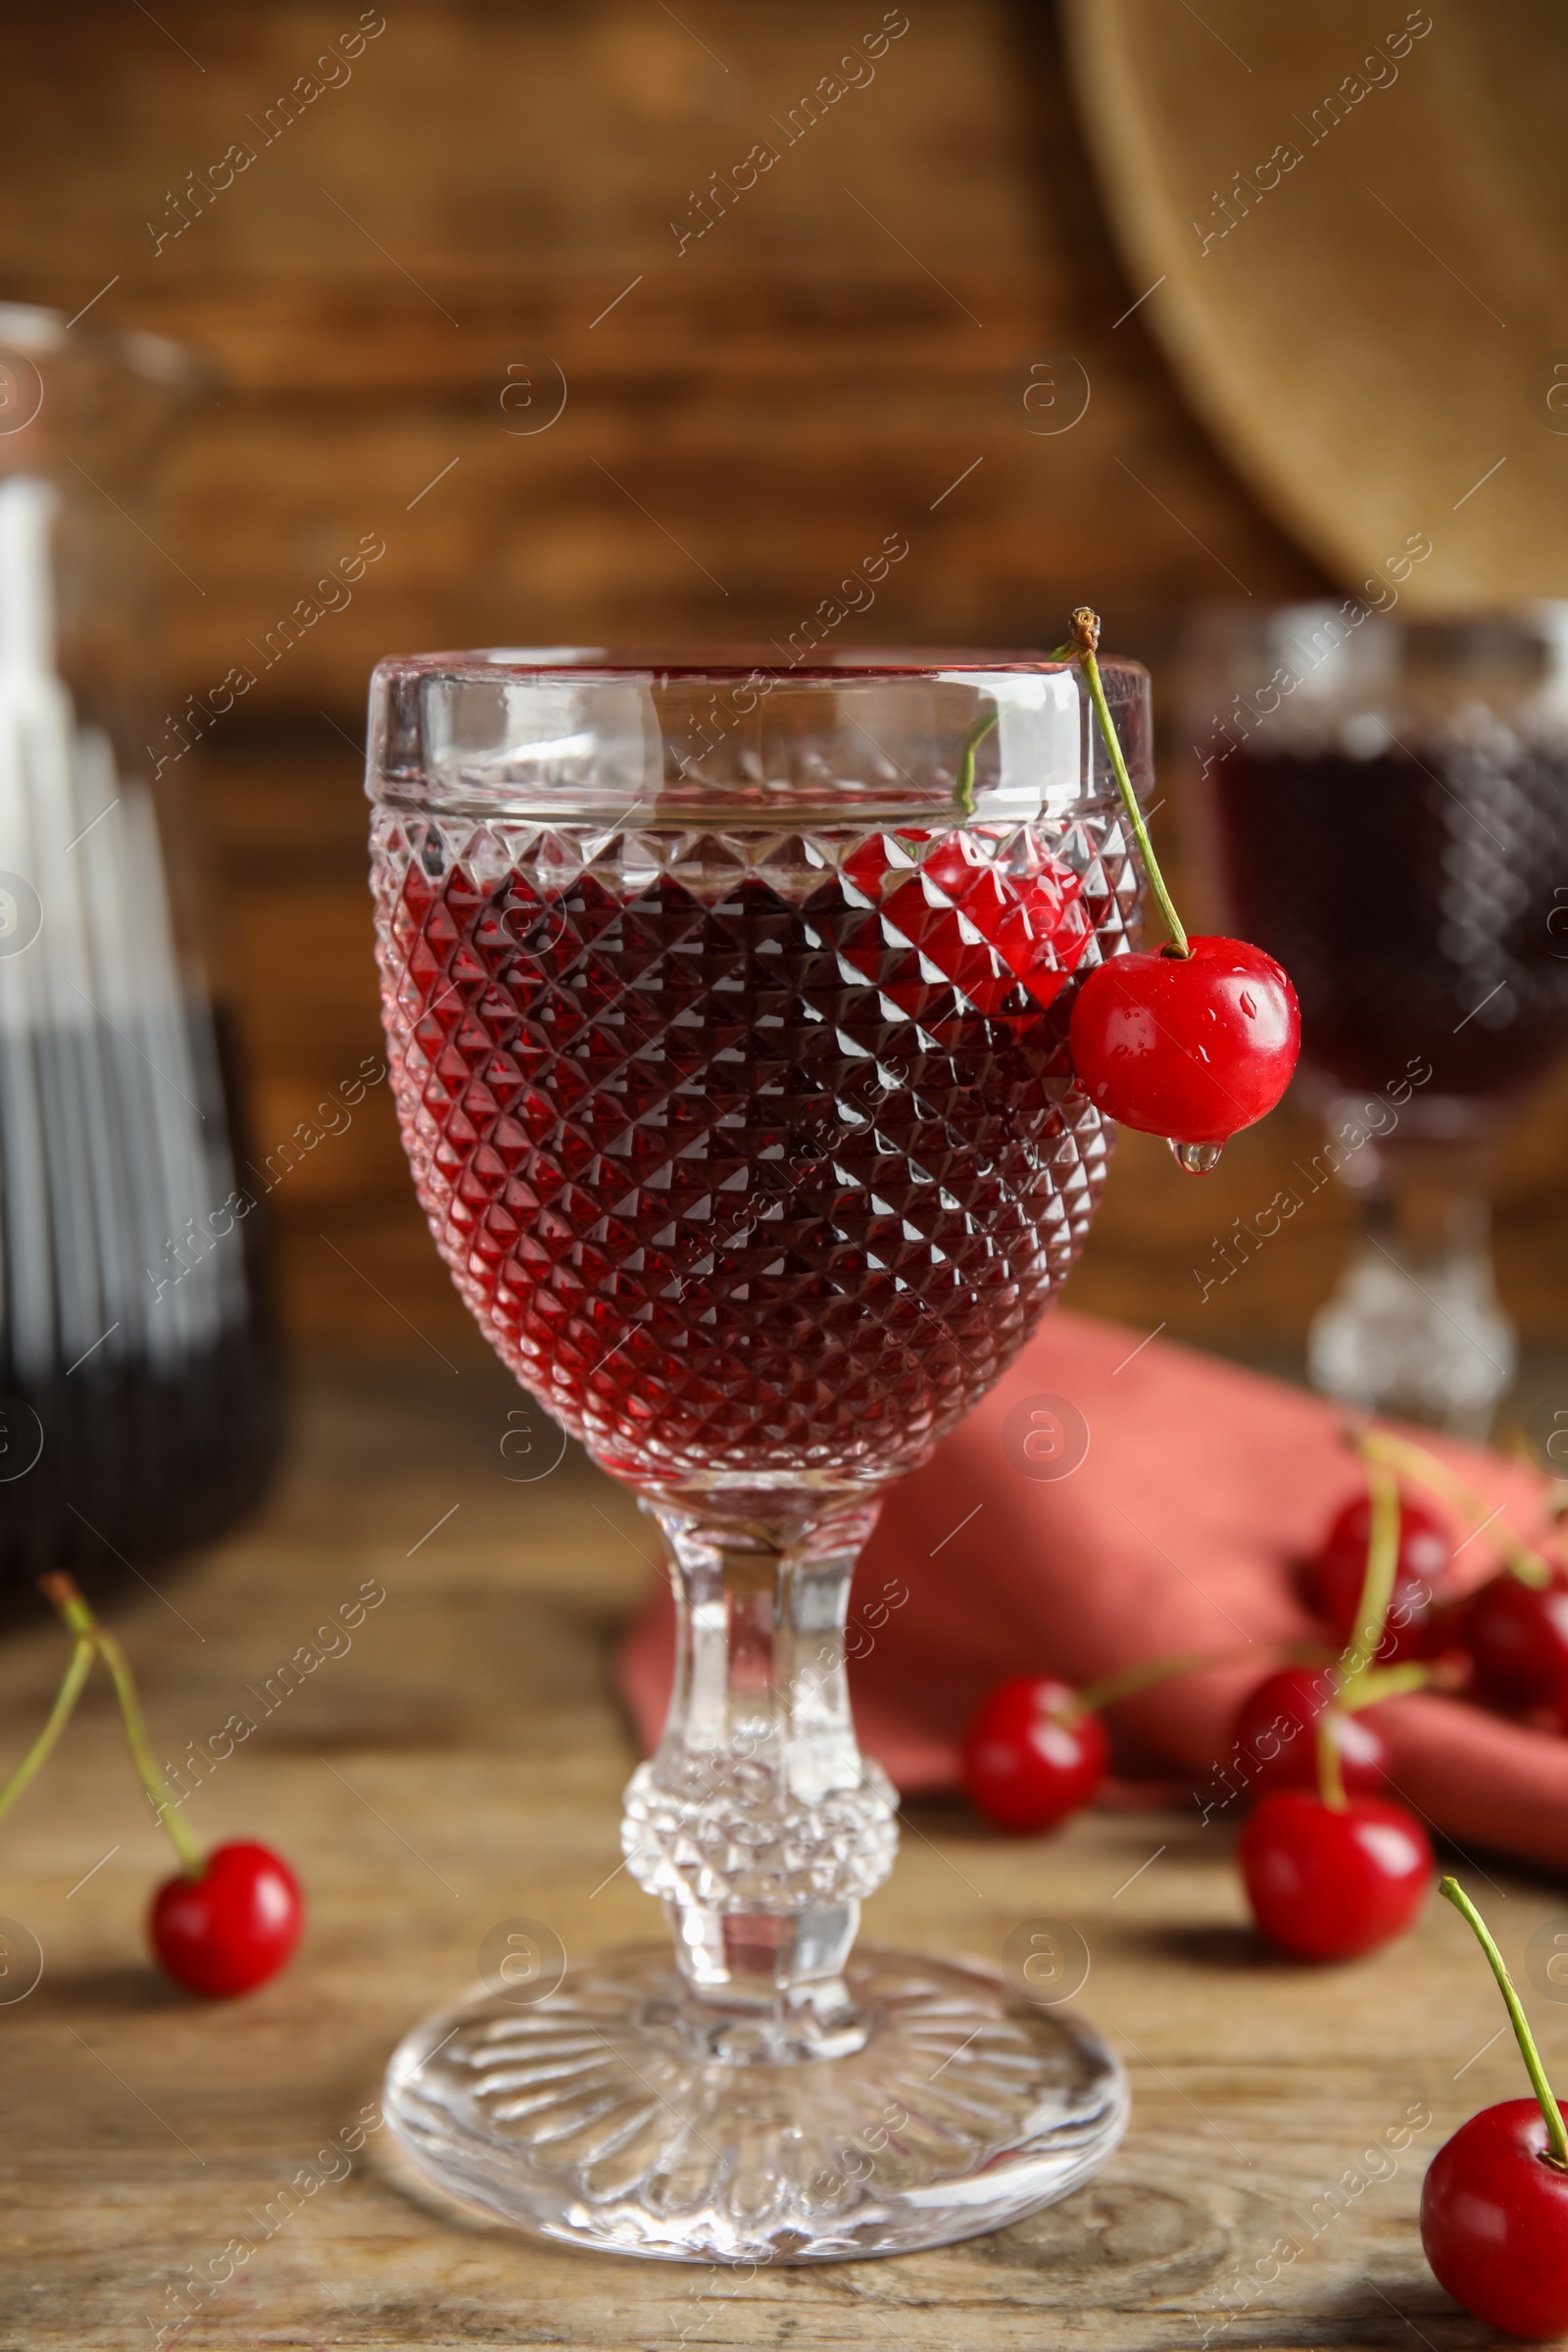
<point>1330,1770</point>
<point>1382,1445</point>
<point>1452,1893</point>
<point>1083,644</point>
<point>1376,1585</point>
<point>1378,1683</point>
<point>1350,1674</point>
<point>66,1595</point>
<point>66,1698</point>
<point>1112,1687</point>
<point>963,791</point>
<point>1354,1680</point>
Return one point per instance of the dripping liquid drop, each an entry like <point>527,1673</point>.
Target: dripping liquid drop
<point>1196,1159</point>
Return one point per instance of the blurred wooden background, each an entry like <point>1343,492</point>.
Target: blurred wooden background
<point>476,185</point>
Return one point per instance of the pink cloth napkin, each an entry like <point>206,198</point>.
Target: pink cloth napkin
<point>1198,1486</point>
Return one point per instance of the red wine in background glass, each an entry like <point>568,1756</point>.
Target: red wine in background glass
<point>1418,899</point>
<point>1388,800</point>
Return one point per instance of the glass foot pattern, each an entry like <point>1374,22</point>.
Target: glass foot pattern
<point>594,2115</point>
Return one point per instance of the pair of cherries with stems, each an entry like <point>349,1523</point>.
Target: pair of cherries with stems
<point>1268,1741</point>
<point>1513,1629</point>
<point>1332,1870</point>
<point>1037,1750</point>
<point>227,1920</point>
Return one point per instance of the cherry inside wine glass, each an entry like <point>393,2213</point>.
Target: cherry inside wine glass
<point>729,1009</point>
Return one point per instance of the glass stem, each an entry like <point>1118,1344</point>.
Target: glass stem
<point>758,1822</point>
<point>1414,1327</point>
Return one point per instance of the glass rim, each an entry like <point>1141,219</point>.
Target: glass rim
<point>686,664</point>
<point>1524,615</point>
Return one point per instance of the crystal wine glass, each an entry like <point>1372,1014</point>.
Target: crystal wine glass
<point>727,1007</point>
<point>1390,804</point>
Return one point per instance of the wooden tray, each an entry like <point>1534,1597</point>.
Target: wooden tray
<point>1372,330</point>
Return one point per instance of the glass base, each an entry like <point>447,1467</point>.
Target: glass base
<point>597,2114</point>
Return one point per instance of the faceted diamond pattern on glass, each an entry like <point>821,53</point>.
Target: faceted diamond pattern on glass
<point>728,1834</point>
<point>751,1155</point>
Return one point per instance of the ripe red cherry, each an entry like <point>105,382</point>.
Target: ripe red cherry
<point>1028,1760</point>
<point>232,1927</point>
<point>1191,1047</point>
<point>1494,2221</point>
<point>1032,923</point>
<point>1327,1882</point>
<point>1034,920</point>
<point>1276,1734</point>
<point>1331,1580</point>
<point>1494,2204</point>
<point>1517,1634</point>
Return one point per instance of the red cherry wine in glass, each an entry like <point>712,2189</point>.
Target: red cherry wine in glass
<point>770,1175</point>
<point>1464,960</point>
<point>735,1079</point>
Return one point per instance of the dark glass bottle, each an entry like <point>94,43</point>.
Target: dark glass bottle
<point>140,1401</point>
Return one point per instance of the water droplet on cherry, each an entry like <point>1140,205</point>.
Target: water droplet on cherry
<point>1196,1159</point>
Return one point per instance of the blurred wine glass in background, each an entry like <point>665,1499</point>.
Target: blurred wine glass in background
<point>1385,804</point>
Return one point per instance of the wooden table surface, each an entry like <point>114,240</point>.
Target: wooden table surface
<point>461,1762</point>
